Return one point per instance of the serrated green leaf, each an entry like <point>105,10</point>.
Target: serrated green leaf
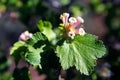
<point>33,55</point>
<point>36,38</point>
<point>46,28</point>
<point>16,46</point>
<point>82,53</point>
<point>18,50</point>
<point>36,44</point>
<point>29,50</point>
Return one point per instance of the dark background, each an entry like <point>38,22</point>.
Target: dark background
<point>102,18</point>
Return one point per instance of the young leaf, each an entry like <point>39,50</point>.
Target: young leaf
<point>35,47</point>
<point>36,38</point>
<point>16,46</point>
<point>30,50</point>
<point>82,53</point>
<point>46,28</point>
<point>33,55</point>
<point>19,49</point>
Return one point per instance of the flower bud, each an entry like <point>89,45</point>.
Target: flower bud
<point>25,36</point>
<point>64,17</point>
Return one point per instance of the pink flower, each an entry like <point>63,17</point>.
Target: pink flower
<point>25,36</point>
<point>72,25</point>
<point>64,17</point>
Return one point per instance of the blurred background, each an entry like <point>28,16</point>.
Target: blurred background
<point>102,18</point>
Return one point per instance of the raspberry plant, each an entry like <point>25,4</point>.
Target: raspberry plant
<point>69,42</point>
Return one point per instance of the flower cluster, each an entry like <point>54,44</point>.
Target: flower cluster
<point>72,25</point>
<point>25,36</point>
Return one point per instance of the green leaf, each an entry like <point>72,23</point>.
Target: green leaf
<point>35,47</point>
<point>18,50</point>
<point>30,50</point>
<point>46,28</point>
<point>82,53</point>
<point>16,46</point>
<point>33,55</point>
<point>36,38</point>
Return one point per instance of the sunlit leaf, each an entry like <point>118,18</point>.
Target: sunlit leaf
<point>82,53</point>
<point>46,28</point>
<point>16,46</point>
<point>29,50</point>
<point>18,50</point>
<point>36,38</point>
<point>33,55</point>
<point>35,47</point>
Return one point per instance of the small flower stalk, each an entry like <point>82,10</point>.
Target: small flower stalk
<point>72,25</point>
<point>25,36</point>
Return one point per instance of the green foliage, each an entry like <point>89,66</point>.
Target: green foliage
<point>16,46</point>
<point>18,49</point>
<point>46,28</point>
<point>29,50</point>
<point>33,55</point>
<point>36,38</point>
<point>82,53</point>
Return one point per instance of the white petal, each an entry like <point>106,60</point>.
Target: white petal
<point>30,35</point>
<point>22,37</point>
<point>71,34</point>
<point>82,32</point>
<point>26,33</point>
<point>64,17</point>
<point>72,20</point>
<point>66,14</point>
